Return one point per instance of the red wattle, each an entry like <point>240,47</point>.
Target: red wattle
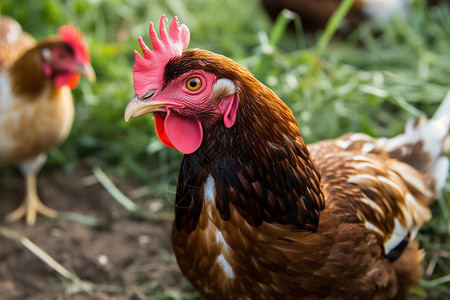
<point>161,132</point>
<point>74,79</point>
<point>70,79</point>
<point>186,134</point>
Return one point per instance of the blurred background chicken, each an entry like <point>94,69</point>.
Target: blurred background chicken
<point>36,106</point>
<point>261,215</point>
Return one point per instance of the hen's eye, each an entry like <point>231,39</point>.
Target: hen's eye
<point>193,83</point>
<point>60,56</point>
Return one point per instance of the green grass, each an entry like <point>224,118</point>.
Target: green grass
<point>364,82</point>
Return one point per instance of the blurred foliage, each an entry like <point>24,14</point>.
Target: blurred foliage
<point>365,81</point>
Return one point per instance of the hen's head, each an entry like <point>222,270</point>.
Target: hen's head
<point>66,58</point>
<point>186,91</point>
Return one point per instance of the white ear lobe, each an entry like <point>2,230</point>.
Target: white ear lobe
<point>46,54</point>
<point>222,87</point>
<point>224,90</point>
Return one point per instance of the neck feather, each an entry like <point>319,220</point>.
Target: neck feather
<point>27,78</point>
<point>260,165</point>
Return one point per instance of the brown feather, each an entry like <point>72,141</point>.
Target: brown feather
<point>27,78</point>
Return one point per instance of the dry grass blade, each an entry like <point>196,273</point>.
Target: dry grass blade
<point>114,191</point>
<point>82,219</point>
<point>126,202</point>
<point>45,257</point>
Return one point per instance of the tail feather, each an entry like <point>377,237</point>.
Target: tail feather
<point>443,110</point>
<point>424,143</point>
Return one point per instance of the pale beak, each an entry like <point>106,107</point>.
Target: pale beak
<point>136,107</point>
<point>87,71</point>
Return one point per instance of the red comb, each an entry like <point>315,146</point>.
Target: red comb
<point>148,70</point>
<point>72,36</point>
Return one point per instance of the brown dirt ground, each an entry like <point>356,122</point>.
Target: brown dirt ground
<point>125,258</point>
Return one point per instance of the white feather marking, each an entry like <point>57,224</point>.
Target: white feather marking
<point>407,216</point>
<point>372,204</point>
<point>443,110</point>
<point>391,183</point>
<point>225,266</point>
<point>209,193</point>
<point>5,92</point>
<point>220,240</point>
<point>398,235</point>
<point>370,226</point>
<point>419,213</point>
<point>13,33</point>
<point>366,159</point>
<point>410,200</point>
<point>413,233</point>
<point>272,145</point>
<point>367,147</point>
<point>432,133</point>
<point>362,179</point>
<point>209,190</point>
<point>360,137</point>
<point>343,144</point>
<point>440,171</point>
<point>7,116</point>
<point>410,176</point>
<point>369,167</point>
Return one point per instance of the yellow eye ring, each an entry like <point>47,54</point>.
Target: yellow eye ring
<point>193,83</point>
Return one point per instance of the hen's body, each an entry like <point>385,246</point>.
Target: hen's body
<point>258,214</point>
<point>36,105</point>
<point>343,257</point>
<point>261,217</point>
<point>34,127</point>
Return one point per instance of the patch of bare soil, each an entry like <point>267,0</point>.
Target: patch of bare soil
<point>125,258</point>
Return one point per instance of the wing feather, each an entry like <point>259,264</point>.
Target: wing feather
<point>387,196</point>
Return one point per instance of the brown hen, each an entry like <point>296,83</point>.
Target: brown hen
<point>260,215</point>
